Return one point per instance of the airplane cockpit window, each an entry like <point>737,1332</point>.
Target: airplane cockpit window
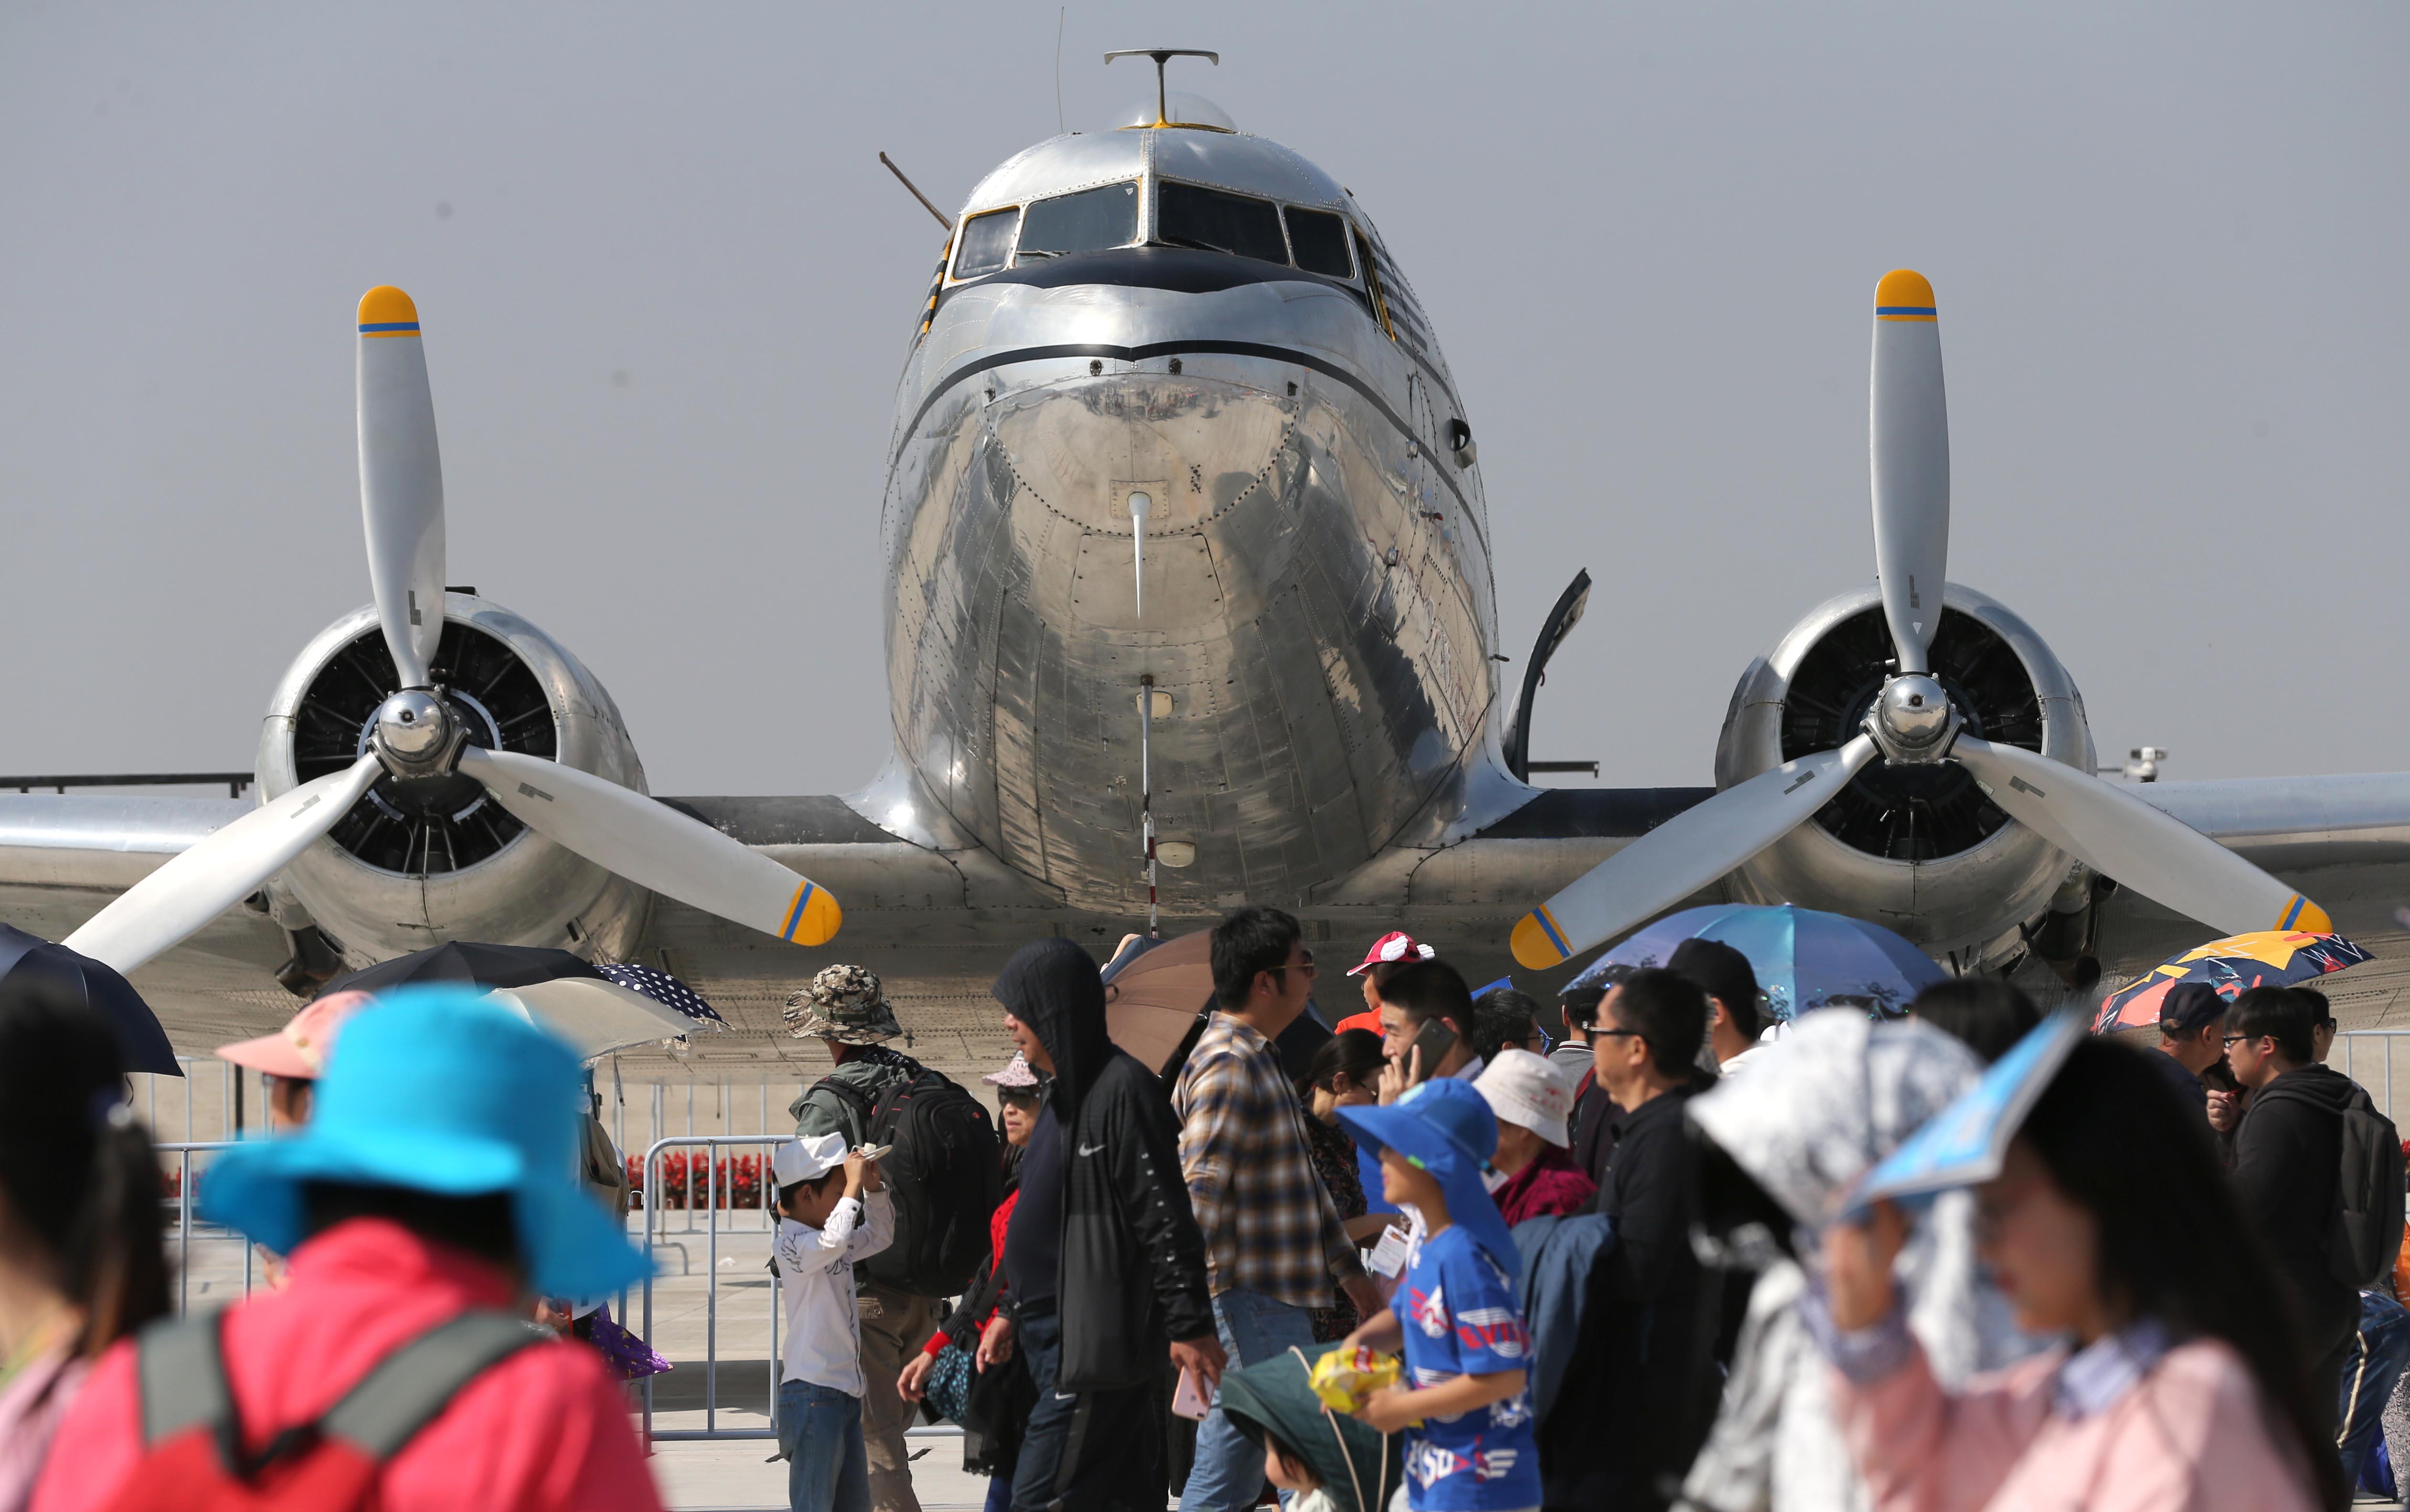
<point>1188,215</point>
<point>987,243</point>
<point>1089,220</point>
<point>1319,239</point>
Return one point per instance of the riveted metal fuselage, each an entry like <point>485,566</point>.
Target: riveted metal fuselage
<point>1318,600</point>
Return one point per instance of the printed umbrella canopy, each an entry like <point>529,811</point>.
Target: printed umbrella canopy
<point>2270,958</point>
<point>596,1009</point>
<point>1803,957</point>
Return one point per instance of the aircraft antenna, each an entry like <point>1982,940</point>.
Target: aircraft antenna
<point>1146,697</point>
<point>916,192</point>
<point>1161,56</point>
<point>1059,10</point>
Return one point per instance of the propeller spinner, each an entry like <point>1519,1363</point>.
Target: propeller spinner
<point>417,734</point>
<point>1913,722</point>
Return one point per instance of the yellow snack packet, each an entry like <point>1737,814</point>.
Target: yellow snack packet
<point>1344,1379</point>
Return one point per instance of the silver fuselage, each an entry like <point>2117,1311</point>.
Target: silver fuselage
<point>1318,600</point>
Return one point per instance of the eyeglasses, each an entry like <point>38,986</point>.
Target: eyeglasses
<point>2231,1038</point>
<point>1588,1032</point>
<point>1306,966</point>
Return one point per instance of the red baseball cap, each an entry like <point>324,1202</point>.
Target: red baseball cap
<point>1393,946</point>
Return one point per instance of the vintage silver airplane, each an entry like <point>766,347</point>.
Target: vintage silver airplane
<point>1189,602</point>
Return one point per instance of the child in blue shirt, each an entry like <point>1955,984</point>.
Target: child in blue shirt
<point>1470,1443</point>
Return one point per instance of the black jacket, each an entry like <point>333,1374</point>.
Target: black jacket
<point>1640,1393</point>
<point>2287,1159</point>
<point>1132,1273</point>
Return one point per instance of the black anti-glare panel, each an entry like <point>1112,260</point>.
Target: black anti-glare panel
<point>1909,814</point>
<point>435,824</point>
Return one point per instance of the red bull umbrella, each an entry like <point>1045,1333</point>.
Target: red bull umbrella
<point>2271,957</point>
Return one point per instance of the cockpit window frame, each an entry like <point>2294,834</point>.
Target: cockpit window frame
<point>1012,249</point>
<point>1346,236</point>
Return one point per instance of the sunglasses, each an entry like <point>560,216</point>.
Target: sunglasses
<point>1593,1034</point>
<point>1306,966</point>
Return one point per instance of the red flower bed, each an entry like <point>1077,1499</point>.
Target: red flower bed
<point>735,1181</point>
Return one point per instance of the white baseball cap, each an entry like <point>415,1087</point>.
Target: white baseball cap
<point>1529,1091</point>
<point>807,1158</point>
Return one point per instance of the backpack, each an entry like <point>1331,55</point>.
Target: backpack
<point>2366,1238</point>
<point>945,1174</point>
<point>193,1458</point>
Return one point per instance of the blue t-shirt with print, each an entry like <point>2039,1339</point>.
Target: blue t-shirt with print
<point>1459,1312</point>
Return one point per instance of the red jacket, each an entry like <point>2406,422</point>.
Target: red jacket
<point>546,1428</point>
<point>1551,1184</point>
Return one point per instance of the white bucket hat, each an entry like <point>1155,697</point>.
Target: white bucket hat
<point>1530,1092</point>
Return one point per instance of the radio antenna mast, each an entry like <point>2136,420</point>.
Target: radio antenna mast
<point>1161,56</point>
<point>916,192</point>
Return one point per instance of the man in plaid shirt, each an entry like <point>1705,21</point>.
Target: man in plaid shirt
<point>1272,1239</point>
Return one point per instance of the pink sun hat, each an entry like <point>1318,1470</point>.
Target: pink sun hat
<point>300,1048</point>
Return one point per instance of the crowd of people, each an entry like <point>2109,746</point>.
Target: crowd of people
<point>1455,1252</point>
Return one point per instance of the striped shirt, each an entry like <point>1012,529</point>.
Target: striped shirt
<point>1270,1225</point>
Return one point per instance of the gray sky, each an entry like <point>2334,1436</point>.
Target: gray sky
<point>667,288</point>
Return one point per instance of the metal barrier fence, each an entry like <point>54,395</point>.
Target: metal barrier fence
<point>2360,1048</point>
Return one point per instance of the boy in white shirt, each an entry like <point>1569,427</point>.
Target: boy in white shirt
<point>833,1211</point>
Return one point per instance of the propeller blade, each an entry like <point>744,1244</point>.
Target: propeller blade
<point>1908,445</point>
<point>2118,835</point>
<point>1677,858</point>
<point>402,482</point>
<point>656,846</point>
<point>219,871</point>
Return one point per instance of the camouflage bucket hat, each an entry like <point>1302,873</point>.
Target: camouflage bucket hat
<point>843,1003</point>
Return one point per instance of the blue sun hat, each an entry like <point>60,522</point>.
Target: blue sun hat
<point>1445,1127</point>
<point>438,1090</point>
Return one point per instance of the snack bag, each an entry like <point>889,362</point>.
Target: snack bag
<point>1344,1379</point>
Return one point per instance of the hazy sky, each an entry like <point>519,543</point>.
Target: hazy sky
<point>667,288</point>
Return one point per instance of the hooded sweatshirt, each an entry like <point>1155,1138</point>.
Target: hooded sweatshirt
<point>1131,1273</point>
<point>2288,1158</point>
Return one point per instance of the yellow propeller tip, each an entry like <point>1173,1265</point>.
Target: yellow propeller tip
<point>1904,293</point>
<point>2305,916</point>
<point>1535,943</point>
<point>813,919</point>
<point>385,310</point>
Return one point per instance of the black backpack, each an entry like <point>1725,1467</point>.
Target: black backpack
<point>946,1174</point>
<point>2367,1236</point>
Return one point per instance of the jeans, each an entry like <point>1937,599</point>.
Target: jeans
<point>820,1431</point>
<point>2379,1349</point>
<point>1229,1470</point>
<point>1096,1451</point>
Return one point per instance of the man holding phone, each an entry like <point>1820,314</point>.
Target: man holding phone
<point>1426,1014</point>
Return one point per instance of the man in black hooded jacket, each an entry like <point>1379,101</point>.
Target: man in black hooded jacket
<point>2287,1164</point>
<point>1103,1260</point>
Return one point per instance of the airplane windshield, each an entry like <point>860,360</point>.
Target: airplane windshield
<point>1089,220</point>
<point>987,243</point>
<point>1188,215</point>
<point>1319,239</point>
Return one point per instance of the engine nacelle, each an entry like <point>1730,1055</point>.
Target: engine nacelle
<point>419,862</point>
<point>1918,849</point>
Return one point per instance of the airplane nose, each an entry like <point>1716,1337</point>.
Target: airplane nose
<point>1196,447</point>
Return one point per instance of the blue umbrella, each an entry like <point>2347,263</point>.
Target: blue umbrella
<point>1803,957</point>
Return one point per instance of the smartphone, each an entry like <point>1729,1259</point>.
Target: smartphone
<point>872,1152</point>
<point>1187,1400</point>
<point>1435,1040</point>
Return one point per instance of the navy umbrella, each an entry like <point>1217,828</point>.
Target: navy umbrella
<point>33,969</point>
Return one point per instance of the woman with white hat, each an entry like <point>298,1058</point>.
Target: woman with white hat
<point>1531,1098</point>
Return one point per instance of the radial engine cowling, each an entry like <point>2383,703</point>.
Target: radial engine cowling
<point>417,862</point>
<point>1920,849</point>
